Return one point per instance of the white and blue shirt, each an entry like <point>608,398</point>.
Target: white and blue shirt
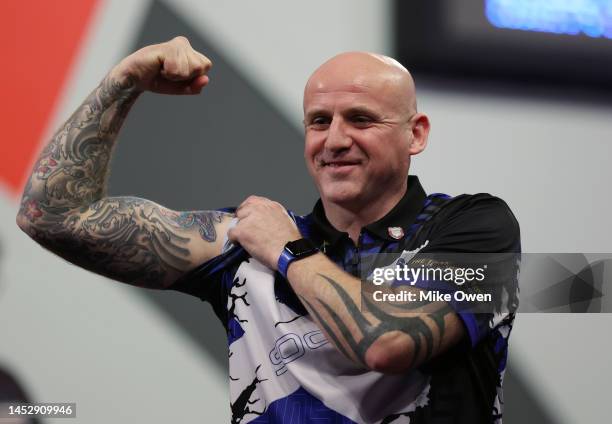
<point>283,369</point>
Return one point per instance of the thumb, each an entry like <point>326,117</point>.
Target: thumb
<point>198,83</point>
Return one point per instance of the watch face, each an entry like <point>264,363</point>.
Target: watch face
<point>300,247</point>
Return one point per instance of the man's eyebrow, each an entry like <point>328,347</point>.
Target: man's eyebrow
<point>315,112</point>
<point>354,110</point>
<point>360,110</point>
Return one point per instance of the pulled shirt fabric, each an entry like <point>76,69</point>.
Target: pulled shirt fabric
<point>282,369</point>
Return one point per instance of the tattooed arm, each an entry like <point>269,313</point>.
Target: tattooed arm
<point>392,339</point>
<point>65,207</point>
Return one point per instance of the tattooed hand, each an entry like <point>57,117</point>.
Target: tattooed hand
<point>263,229</point>
<point>173,67</point>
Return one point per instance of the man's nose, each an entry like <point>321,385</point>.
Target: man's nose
<point>337,136</point>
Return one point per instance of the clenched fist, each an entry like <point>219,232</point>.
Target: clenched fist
<point>173,67</point>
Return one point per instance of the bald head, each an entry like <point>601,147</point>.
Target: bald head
<point>354,70</point>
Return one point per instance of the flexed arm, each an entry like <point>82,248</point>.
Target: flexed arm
<point>64,205</point>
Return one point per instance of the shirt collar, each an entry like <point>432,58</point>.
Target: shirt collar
<point>402,215</point>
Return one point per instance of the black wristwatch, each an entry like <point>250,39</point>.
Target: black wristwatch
<point>294,251</point>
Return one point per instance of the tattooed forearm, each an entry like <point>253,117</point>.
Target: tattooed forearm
<point>340,324</point>
<point>64,207</point>
<point>71,171</point>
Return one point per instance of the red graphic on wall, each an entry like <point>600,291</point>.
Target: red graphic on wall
<point>41,40</point>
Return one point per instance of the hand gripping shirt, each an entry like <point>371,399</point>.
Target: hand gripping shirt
<point>282,369</point>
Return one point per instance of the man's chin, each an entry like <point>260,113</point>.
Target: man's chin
<point>342,194</point>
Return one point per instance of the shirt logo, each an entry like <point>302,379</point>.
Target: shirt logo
<point>396,232</point>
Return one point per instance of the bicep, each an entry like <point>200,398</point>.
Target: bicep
<point>135,241</point>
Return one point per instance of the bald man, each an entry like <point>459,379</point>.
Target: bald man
<point>287,288</point>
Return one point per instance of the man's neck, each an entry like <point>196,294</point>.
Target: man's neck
<point>352,218</point>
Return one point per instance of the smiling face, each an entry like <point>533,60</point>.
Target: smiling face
<point>361,129</point>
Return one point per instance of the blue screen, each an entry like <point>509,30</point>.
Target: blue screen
<point>592,18</point>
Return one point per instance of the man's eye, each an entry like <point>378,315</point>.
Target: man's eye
<point>361,119</point>
<point>319,122</point>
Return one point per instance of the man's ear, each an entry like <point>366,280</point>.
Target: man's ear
<point>420,133</point>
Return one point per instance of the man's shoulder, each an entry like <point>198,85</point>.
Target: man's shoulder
<point>478,205</point>
<point>480,221</point>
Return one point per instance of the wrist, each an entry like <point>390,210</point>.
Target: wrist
<point>296,268</point>
<point>294,251</point>
<point>123,76</point>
